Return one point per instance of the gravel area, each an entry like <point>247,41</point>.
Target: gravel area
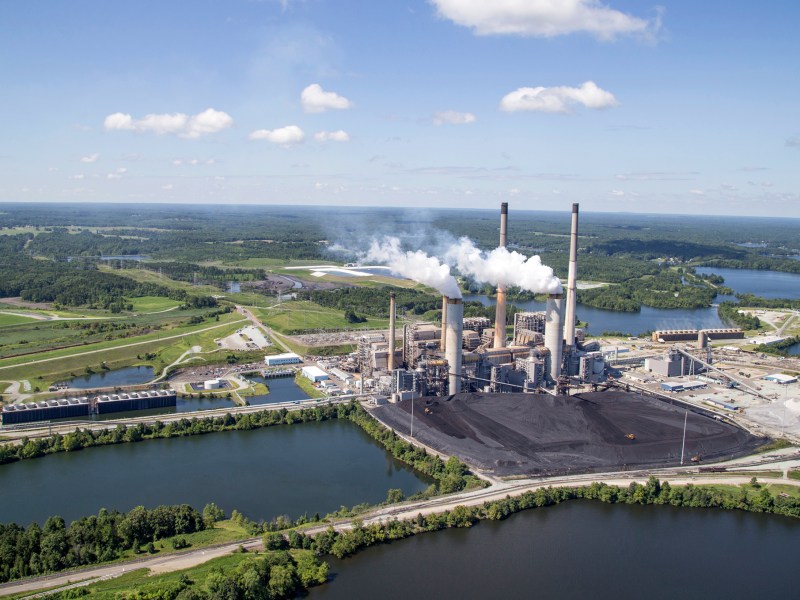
<point>525,434</point>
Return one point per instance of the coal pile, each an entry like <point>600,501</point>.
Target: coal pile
<point>527,434</point>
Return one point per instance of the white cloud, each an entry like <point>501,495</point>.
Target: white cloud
<point>167,187</point>
<point>332,136</point>
<point>697,192</point>
<point>543,18</point>
<point>317,100</point>
<point>617,193</point>
<point>90,159</point>
<point>192,127</point>
<point>122,170</point>
<point>291,134</point>
<point>453,117</point>
<point>558,99</point>
<point>79,176</point>
<point>113,176</point>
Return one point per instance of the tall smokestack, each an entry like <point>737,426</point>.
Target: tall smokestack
<point>553,333</point>
<point>443,342</point>
<point>455,325</point>
<point>392,310</point>
<point>572,294</point>
<point>500,310</point>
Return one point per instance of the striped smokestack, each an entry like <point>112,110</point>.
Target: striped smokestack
<point>500,309</point>
<point>572,294</point>
<point>392,311</point>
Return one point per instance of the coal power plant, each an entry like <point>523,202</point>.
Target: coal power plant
<point>504,405</point>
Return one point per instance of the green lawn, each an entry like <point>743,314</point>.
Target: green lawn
<point>147,304</point>
<point>7,320</point>
<point>303,315</point>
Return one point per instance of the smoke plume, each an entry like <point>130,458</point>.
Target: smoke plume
<point>504,268</point>
<point>415,265</point>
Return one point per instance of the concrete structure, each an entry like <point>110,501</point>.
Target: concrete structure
<point>572,282</point>
<point>287,358</point>
<point>212,384</point>
<point>780,378</point>
<point>454,336</point>
<point>443,343</point>
<point>766,340</point>
<point>688,335</point>
<point>554,333</point>
<point>682,386</point>
<point>314,374</point>
<point>500,309</point>
<point>392,311</point>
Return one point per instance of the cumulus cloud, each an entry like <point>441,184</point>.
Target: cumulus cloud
<point>558,99</point>
<point>453,117</point>
<point>543,18</point>
<point>332,136</point>
<point>192,127</point>
<point>285,136</point>
<point>317,100</point>
<point>90,159</point>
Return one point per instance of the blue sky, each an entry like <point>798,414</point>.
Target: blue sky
<point>680,107</point>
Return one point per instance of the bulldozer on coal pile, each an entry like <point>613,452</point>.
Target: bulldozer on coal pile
<point>630,436</point>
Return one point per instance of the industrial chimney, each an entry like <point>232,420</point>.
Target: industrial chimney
<point>553,333</point>
<point>455,325</point>
<point>443,342</point>
<point>392,310</point>
<point>572,294</point>
<point>500,314</point>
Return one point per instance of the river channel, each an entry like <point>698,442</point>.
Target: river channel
<point>303,468</point>
<point>581,550</point>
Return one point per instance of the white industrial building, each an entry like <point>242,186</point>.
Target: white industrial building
<point>314,374</point>
<point>780,378</point>
<point>287,358</point>
<point>212,384</point>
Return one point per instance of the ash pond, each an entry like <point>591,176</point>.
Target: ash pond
<point>287,470</point>
<point>582,549</point>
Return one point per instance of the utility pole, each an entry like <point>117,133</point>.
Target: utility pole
<point>683,445</point>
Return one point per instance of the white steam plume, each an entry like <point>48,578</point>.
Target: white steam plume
<point>504,268</point>
<point>415,265</point>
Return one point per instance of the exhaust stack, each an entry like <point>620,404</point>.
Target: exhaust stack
<point>553,333</point>
<point>455,325</point>
<point>572,294</point>
<point>500,314</point>
<point>443,342</point>
<point>392,311</point>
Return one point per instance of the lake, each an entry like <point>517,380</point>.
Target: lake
<point>292,469</point>
<point>767,284</point>
<point>118,377</point>
<point>580,550</point>
<point>281,389</point>
<point>648,319</point>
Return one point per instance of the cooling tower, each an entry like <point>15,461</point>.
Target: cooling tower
<point>572,295</point>
<point>392,310</point>
<point>455,324</point>
<point>553,333</point>
<point>500,310</point>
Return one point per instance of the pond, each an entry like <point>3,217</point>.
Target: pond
<point>281,389</point>
<point>118,377</point>
<point>767,284</point>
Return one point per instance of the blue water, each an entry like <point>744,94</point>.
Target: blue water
<point>648,319</point>
<point>767,284</point>
<point>103,379</point>
<point>281,389</point>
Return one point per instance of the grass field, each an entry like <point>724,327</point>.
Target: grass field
<point>304,315</point>
<point>119,353</point>
<point>7,320</point>
<point>145,276</point>
<point>146,304</point>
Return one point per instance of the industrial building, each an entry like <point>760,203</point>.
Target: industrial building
<point>287,358</point>
<point>469,354</point>
<point>688,335</point>
<point>780,378</point>
<point>314,374</point>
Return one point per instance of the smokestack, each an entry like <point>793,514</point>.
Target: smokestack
<point>392,310</point>
<point>553,333</point>
<point>500,309</point>
<point>443,342</point>
<point>455,325</point>
<point>572,294</point>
